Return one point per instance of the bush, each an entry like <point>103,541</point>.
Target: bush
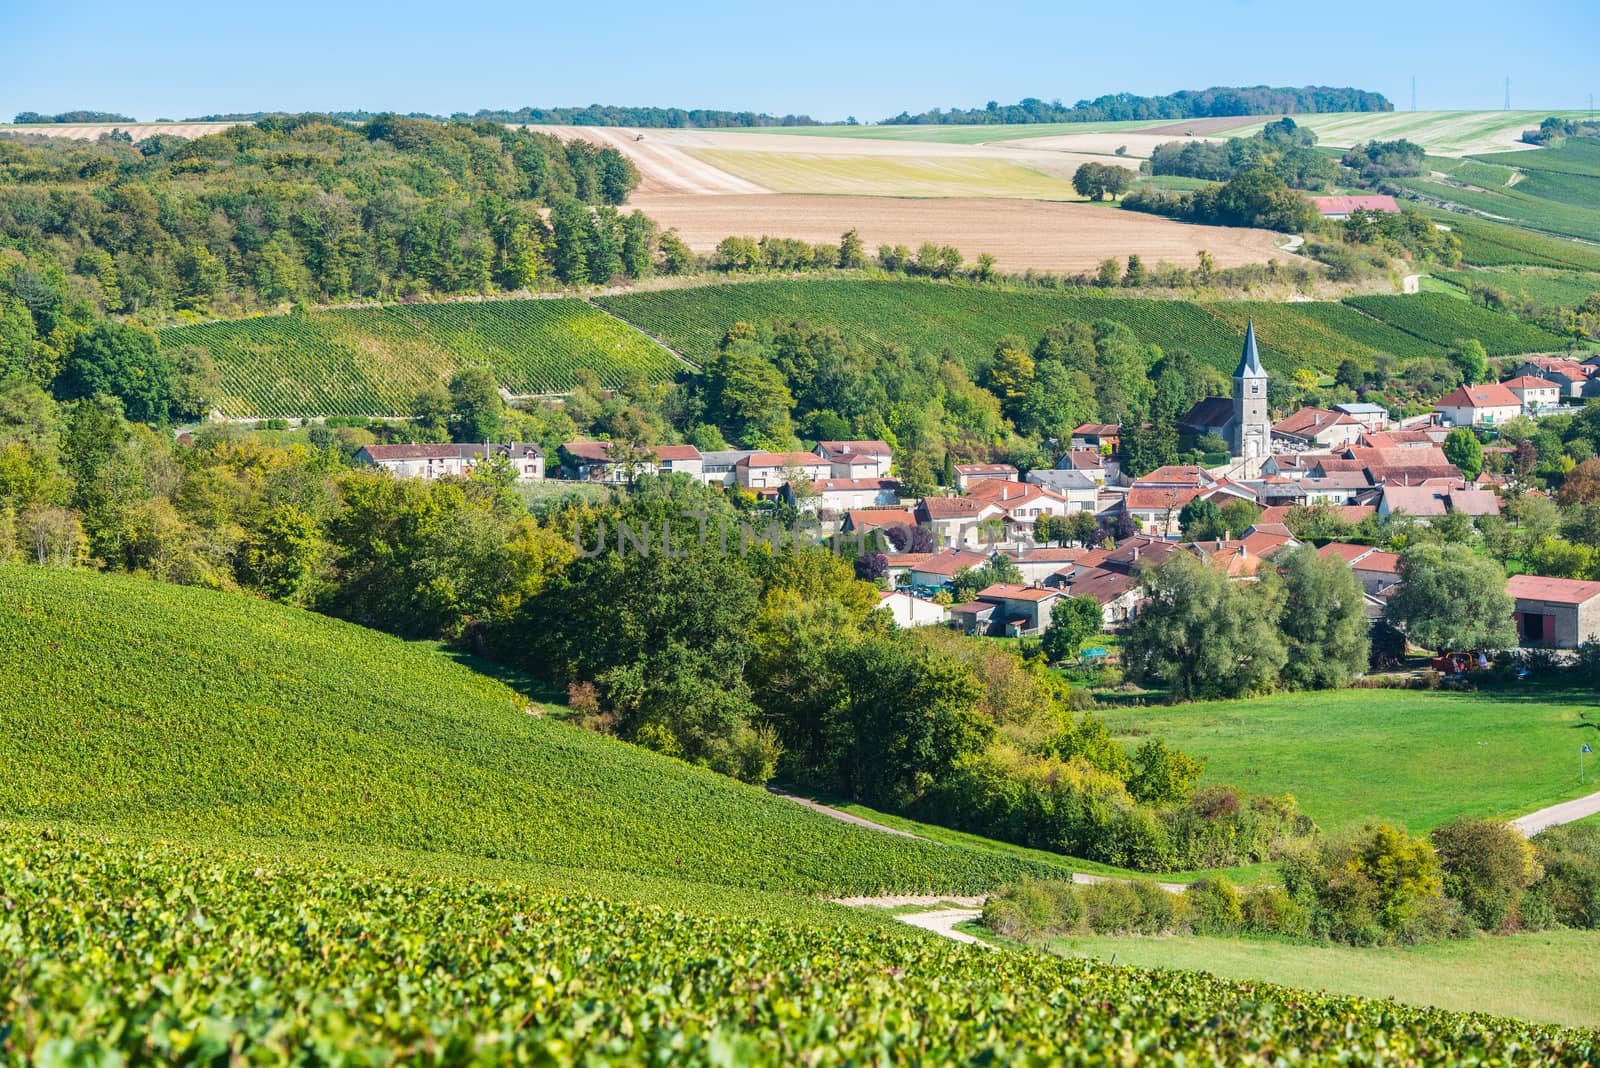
<point>1370,887</point>
<point>1021,911</point>
<point>1269,910</point>
<point>1113,907</point>
<point>1569,893</point>
<point>1214,907</point>
<point>1162,911</point>
<point>1487,867</point>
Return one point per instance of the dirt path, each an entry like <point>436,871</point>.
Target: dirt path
<point>845,817</point>
<point>943,922</point>
<point>1411,283</point>
<point>1555,815</point>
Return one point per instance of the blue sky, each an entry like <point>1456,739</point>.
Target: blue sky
<point>828,59</point>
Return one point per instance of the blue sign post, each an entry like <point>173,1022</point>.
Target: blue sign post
<point>1582,751</point>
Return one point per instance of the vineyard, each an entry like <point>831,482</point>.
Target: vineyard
<point>969,320</point>
<point>1491,244</point>
<point>374,361</point>
<point>170,955</point>
<point>162,709</point>
<point>1441,319</point>
<point>1550,189</point>
<point>1554,288</point>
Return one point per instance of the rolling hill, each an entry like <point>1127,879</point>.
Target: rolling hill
<point>156,709</point>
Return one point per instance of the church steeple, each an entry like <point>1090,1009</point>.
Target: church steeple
<point>1249,359</point>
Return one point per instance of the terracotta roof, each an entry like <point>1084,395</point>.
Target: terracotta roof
<point>1077,459</point>
<point>1177,474</point>
<point>1434,500</point>
<point>985,469</point>
<point>1381,562</point>
<point>1009,592</point>
<point>1431,456</point>
<point>1484,395</point>
<point>1049,554</point>
<point>1266,542</point>
<point>953,507</point>
<point>1560,365</point>
<point>1344,205</point>
<point>600,451</point>
<point>1412,476</point>
<point>971,608</point>
<point>825,485</point>
<point>782,459</point>
<point>950,561</point>
<point>1531,382</point>
<point>1554,590</point>
<point>448,451</point>
<point>1160,500</point>
<point>1308,422</point>
<point>676,452</point>
<point>853,459</point>
<point>1345,551</point>
<point>875,518</point>
<point>1098,430</point>
<point>1137,551</point>
<point>870,448</point>
<point>1104,586</point>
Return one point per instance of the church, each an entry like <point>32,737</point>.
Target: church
<point>1241,420</point>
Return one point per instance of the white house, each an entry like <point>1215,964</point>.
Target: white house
<point>1487,404</point>
<point>771,470</point>
<point>439,461</point>
<point>1079,489</point>
<point>1374,417</point>
<point>857,459</point>
<point>959,521</point>
<point>1316,427</point>
<point>844,494</point>
<point>591,461</point>
<point>1535,393</point>
<point>968,475</point>
<point>909,611</point>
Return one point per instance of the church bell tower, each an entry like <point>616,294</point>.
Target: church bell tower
<point>1252,431</point>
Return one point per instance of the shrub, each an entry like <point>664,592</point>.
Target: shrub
<point>1161,911</point>
<point>1487,866</point>
<point>1369,887</point>
<point>1113,907</point>
<point>1569,893</point>
<point>1214,907</point>
<point>1021,911</point>
<point>1269,910</point>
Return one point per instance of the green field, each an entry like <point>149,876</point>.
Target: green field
<point>151,708</point>
<point>1490,244</point>
<point>1536,285</point>
<point>1442,133</point>
<point>1550,976</point>
<point>1554,190</point>
<point>1441,320</point>
<point>1416,758</point>
<point>962,135</point>
<point>167,955</point>
<point>969,320</point>
<point>900,176</point>
<point>374,361</point>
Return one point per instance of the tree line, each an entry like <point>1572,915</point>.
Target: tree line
<point>1217,101</point>
<point>35,118</point>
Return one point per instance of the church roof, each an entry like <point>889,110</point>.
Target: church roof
<point>1249,359</point>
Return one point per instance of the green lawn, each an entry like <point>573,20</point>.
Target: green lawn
<point>1549,976</point>
<point>1414,757</point>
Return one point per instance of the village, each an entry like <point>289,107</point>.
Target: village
<point>1085,529</point>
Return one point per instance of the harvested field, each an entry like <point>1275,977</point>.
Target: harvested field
<point>1442,133</point>
<point>1199,127</point>
<point>137,130</point>
<point>1097,146</point>
<point>952,134</point>
<point>1019,234</point>
<point>898,175</point>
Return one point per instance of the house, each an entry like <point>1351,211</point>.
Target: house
<point>457,461</point>
<point>1486,404</point>
<point>592,461</point>
<point>1088,462</point>
<point>935,570</point>
<point>1019,610</point>
<point>1078,488</point>
<point>1102,437</point>
<point>1317,427</point>
<point>1374,569</point>
<point>960,521</point>
<point>1133,555</point>
<point>857,459</point>
<point>863,520</point>
<point>1334,487</point>
<point>843,494</point>
<point>1041,563</point>
<point>909,611</point>
<point>968,474</point>
<point>772,470</point>
<point>1180,475</point>
<point>1342,207</point>
<point>1422,438</point>
<point>1118,594</point>
<point>1553,612</point>
<point>1426,502</point>
<point>1574,378</point>
<point>1372,416</point>
<point>1534,392</point>
<point>1156,508</point>
<point>973,617</point>
<point>1024,502</point>
<point>1293,465</point>
<point>720,467</point>
<point>1238,558</point>
<point>1210,415</point>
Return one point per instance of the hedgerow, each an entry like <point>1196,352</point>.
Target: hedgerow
<point>166,955</point>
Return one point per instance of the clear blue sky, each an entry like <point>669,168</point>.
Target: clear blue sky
<point>825,58</point>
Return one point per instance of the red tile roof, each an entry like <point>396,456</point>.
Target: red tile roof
<point>950,561</point>
<point>782,459</point>
<point>1345,551</point>
<point>985,469</point>
<point>1344,205</point>
<point>1484,395</point>
<point>954,507</point>
<point>877,518</point>
<point>1008,592</point>
<point>1554,590</point>
<point>869,448</point>
<point>1160,500</point>
<point>1308,422</point>
<point>1531,382</point>
<point>1178,474</point>
<point>824,485</point>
